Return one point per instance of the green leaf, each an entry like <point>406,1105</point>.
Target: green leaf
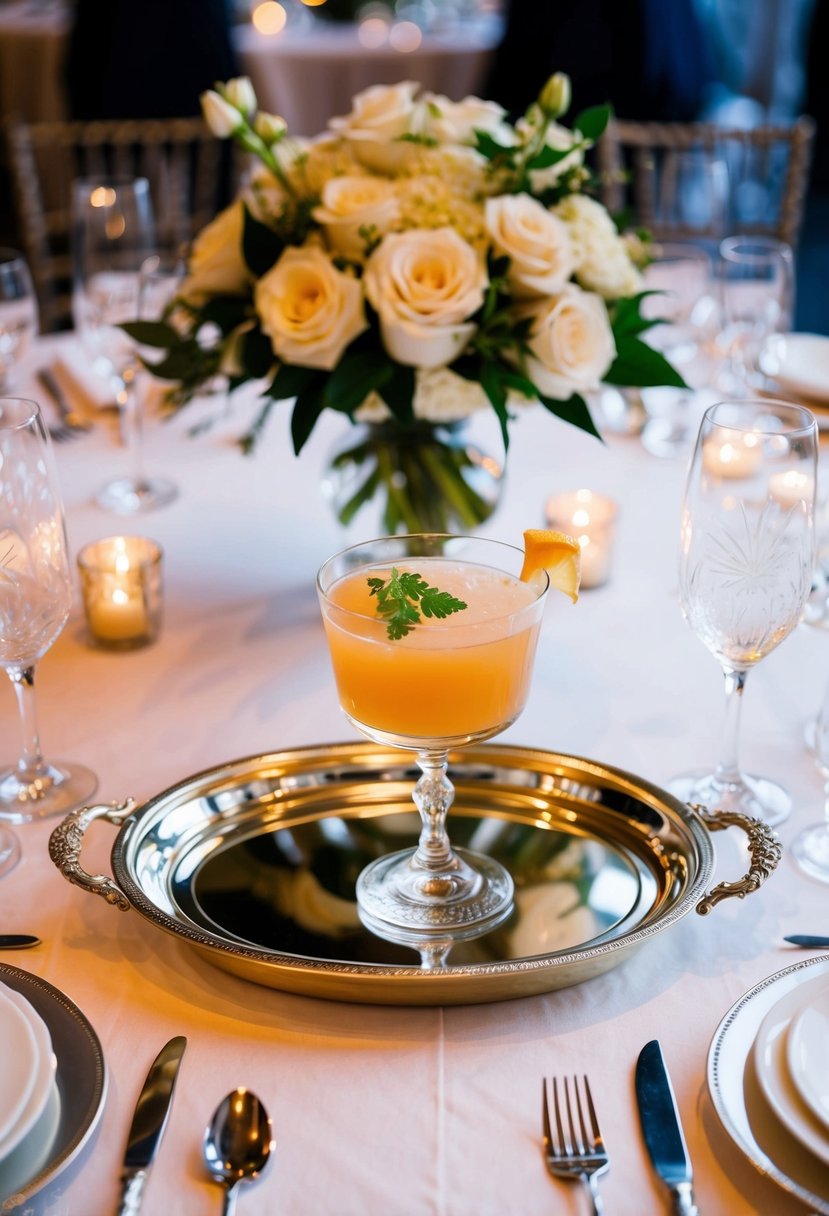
<point>309,406</point>
<point>548,156</point>
<point>182,362</point>
<point>492,382</point>
<point>228,312</point>
<point>640,366</point>
<point>290,380</point>
<point>627,319</point>
<point>152,333</point>
<point>256,353</point>
<point>575,411</point>
<point>356,375</point>
<point>592,122</point>
<point>398,393</point>
<point>490,148</point>
<point>261,246</point>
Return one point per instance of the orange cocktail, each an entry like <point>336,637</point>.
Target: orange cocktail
<point>463,677</point>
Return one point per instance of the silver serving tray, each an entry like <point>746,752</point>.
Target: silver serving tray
<point>254,863</point>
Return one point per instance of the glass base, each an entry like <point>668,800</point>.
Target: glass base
<point>810,849</point>
<point>127,496</point>
<point>666,437</point>
<point>9,851</point>
<point>406,902</point>
<point>755,796</point>
<point>62,788</point>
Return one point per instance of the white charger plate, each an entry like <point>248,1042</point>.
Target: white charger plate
<point>776,1081</point>
<point>18,1063</point>
<point>740,1103</point>
<point>41,1077</point>
<point>807,1054</point>
<point>799,363</point>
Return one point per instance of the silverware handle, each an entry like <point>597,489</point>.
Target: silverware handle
<point>132,1190</point>
<point>65,849</point>
<point>683,1200</point>
<point>593,1187</point>
<point>229,1205</point>
<point>763,846</point>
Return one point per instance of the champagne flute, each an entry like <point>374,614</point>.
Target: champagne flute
<point>446,682</point>
<point>18,314</point>
<point>35,599</point>
<point>745,568</point>
<point>114,237</point>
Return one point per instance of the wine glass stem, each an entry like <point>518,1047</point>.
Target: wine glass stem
<point>433,797</point>
<point>132,421</point>
<point>30,766</point>
<point>728,770</point>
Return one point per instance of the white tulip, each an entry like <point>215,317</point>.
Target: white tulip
<point>222,117</point>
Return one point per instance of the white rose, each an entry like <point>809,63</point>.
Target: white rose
<point>571,343</point>
<point>603,261</point>
<point>536,242</point>
<point>351,203</point>
<point>424,285</point>
<point>455,122</point>
<point>379,116</point>
<point>310,310</point>
<point>216,265</point>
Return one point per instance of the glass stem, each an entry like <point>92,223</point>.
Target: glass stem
<point>30,767</point>
<point>433,797</point>
<point>728,770</point>
<point>132,421</point>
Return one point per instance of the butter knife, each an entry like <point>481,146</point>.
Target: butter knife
<point>148,1123</point>
<point>18,941</point>
<point>662,1129</point>
<point>809,940</point>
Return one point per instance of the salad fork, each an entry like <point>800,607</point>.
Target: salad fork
<point>576,1150</point>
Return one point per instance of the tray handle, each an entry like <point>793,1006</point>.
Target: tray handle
<point>764,850</point>
<point>66,842</point>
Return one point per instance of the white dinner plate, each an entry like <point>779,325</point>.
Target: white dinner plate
<point>42,1074</point>
<point>799,363</point>
<point>772,1065</point>
<point>739,1100</point>
<point>807,1051</point>
<point>18,1061</point>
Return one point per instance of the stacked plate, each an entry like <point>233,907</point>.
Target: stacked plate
<point>799,363</point>
<point>768,1074</point>
<point>30,1110</point>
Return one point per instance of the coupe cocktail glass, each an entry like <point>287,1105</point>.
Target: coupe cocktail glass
<point>447,683</point>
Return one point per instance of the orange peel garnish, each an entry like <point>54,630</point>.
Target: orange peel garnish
<point>558,554</point>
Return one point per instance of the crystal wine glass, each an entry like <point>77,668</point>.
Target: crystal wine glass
<point>810,848</point>
<point>18,314</point>
<point>114,240</point>
<point>756,275</point>
<point>35,599</point>
<point>441,683</point>
<point>745,568</point>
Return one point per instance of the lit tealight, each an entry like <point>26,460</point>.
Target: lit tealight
<point>591,520</point>
<point>792,488</point>
<point>732,454</point>
<point>121,585</point>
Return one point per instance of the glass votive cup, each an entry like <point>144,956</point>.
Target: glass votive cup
<point>122,591</point>
<point>591,520</point>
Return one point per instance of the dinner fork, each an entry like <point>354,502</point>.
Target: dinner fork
<point>577,1149</point>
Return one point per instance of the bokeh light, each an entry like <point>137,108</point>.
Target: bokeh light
<point>405,36</point>
<point>269,17</point>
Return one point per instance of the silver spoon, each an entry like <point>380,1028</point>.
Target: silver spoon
<point>237,1143</point>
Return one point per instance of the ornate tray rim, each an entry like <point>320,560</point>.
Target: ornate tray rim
<point>378,983</point>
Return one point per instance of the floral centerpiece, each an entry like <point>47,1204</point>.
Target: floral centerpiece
<point>421,260</point>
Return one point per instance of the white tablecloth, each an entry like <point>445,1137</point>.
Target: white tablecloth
<point>395,1111</point>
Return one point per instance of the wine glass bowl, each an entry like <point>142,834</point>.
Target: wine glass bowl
<point>756,281</point>
<point>35,600</point>
<point>746,556</point>
<point>444,683</point>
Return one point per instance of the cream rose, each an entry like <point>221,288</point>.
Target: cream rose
<point>571,343</point>
<point>216,265</point>
<point>379,116</point>
<point>603,261</point>
<point>425,284</point>
<point>455,122</point>
<point>350,204</point>
<point>536,242</point>
<point>310,310</point>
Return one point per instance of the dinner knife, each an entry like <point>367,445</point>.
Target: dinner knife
<point>148,1123</point>
<point>662,1129</point>
<point>18,941</point>
<point>809,940</point>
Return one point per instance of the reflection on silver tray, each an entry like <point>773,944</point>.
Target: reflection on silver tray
<point>255,862</point>
<point>80,1077</point>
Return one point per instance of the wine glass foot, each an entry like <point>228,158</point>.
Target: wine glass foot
<point>404,902</point>
<point>810,849</point>
<point>62,788</point>
<point>127,496</point>
<point>9,851</point>
<point>757,797</point>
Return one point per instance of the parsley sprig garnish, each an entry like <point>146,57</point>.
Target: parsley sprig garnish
<point>402,599</point>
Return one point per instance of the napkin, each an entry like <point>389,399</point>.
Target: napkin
<point>85,386</point>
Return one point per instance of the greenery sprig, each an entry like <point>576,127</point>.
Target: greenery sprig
<point>403,597</point>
